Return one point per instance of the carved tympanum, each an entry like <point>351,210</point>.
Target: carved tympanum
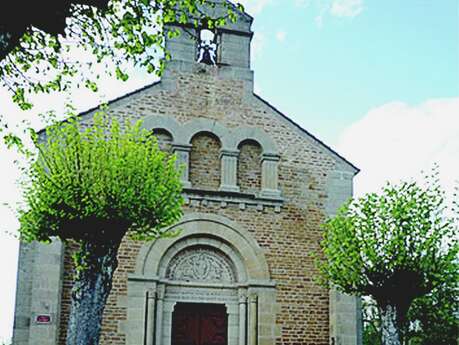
<point>201,265</point>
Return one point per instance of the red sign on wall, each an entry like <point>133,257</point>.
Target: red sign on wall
<point>43,319</point>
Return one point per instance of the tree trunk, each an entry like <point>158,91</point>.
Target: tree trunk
<point>390,331</point>
<point>91,288</point>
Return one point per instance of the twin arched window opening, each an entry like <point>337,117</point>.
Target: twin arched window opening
<point>209,166</point>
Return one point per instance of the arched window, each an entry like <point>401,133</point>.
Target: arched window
<point>205,161</point>
<point>164,138</point>
<point>249,167</point>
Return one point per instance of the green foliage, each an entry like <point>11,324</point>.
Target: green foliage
<point>400,248</point>
<point>98,182</point>
<point>395,246</point>
<point>127,31</point>
<point>436,315</point>
<point>371,336</point>
<point>396,243</point>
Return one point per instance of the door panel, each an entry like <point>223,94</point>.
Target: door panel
<point>199,324</point>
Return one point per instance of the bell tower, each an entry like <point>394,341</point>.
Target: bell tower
<point>227,47</point>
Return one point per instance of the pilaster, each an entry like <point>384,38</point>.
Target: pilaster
<point>253,320</point>
<point>242,316</point>
<point>151,299</point>
<point>159,313</point>
<point>229,161</point>
<point>46,293</point>
<point>182,152</point>
<point>345,310</point>
<point>269,176</point>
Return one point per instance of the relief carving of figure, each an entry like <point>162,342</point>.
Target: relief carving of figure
<point>200,264</point>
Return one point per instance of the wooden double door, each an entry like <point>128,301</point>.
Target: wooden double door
<point>199,324</point>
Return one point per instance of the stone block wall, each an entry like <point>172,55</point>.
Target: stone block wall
<point>38,294</point>
<point>345,311</point>
<point>23,294</point>
<point>66,296</point>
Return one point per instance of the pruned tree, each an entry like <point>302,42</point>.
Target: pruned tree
<point>94,185</point>
<point>395,246</point>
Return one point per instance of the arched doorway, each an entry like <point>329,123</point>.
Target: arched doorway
<point>214,265</point>
<point>205,275</point>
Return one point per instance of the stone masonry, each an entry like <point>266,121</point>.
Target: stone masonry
<point>257,188</point>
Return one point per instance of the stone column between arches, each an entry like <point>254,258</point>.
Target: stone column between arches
<point>249,298</point>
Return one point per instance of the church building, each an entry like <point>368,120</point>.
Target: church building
<point>257,188</point>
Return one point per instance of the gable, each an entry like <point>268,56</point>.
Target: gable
<point>309,136</point>
<point>149,90</point>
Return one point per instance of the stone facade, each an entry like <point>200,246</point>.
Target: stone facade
<point>257,188</point>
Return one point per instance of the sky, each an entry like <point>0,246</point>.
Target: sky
<point>378,81</point>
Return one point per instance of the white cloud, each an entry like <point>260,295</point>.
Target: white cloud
<point>319,20</point>
<point>303,3</point>
<point>346,8</point>
<point>258,44</point>
<point>322,8</point>
<point>281,35</point>
<point>335,8</point>
<point>254,6</point>
<point>396,141</point>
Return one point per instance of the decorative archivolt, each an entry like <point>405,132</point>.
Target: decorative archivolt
<point>252,133</point>
<point>204,125</point>
<point>230,141</point>
<point>166,123</point>
<point>228,244</point>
